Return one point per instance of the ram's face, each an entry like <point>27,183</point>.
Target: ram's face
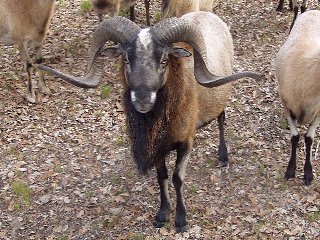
<point>145,63</point>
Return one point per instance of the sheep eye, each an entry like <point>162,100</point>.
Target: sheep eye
<point>126,61</point>
<point>164,61</point>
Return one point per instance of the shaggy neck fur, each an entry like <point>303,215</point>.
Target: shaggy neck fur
<point>148,132</point>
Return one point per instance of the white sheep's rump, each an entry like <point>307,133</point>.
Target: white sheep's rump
<point>298,68</point>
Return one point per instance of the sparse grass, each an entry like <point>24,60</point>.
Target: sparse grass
<point>119,140</point>
<point>283,182</point>
<point>57,168</point>
<point>12,151</point>
<point>85,5</point>
<point>64,237</point>
<point>262,169</point>
<point>122,190</point>
<point>74,46</point>
<point>115,179</point>
<point>22,191</point>
<point>105,91</point>
<point>11,75</point>
<point>194,190</point>
<point>313,216</point>
<point>123,13</point>
<point>60,3</point>
<point>157,16</point>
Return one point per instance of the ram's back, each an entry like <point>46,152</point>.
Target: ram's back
<point>212,101</point>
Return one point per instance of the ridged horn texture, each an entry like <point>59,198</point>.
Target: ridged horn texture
<point>116,29</point>
<point>174,30</point>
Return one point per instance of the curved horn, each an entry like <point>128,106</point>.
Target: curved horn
<point>174,30</point>
<point>116,29</point>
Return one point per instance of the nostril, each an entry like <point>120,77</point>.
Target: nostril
<point>143,96</point>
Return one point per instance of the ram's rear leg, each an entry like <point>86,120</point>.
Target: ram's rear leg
<point>291,169</point>
<point>308,175</point>
<point>41,81</point>
<point>163,214</point>
<point>222,150</point>
<point>183,153</point>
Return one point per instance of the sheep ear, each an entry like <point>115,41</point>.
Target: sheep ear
<point>114,51</point>
<point>180,52</point>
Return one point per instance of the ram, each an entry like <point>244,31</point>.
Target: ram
<point>24,22</point>
<point>298,73</point>
<point>113,7</point>
<point>177,8</point>
<point>168,94</point>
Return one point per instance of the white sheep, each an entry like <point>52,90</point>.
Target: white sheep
<point>24,22</point>
<point>177,8</point>
<point>298,72</point>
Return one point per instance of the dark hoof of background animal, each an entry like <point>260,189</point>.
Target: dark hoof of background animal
<point>181,229</point>
<point>224,163</point>
<point>289,174</point>
<point>308,179</point>
<point>159,224</point>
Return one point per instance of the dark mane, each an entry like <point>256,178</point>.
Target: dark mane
<point>148,131</point>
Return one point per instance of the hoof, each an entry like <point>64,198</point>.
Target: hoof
<point>31,99</point>
<point>308,179</point>
<point>159,224</point>
<point>44,90</point>
<point>290,174</point>
<point>224,163</point>
<point>181,229</point>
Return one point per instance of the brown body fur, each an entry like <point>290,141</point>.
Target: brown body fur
<point>189,107</point>
<point>22,23</point>
<point>26,20</point>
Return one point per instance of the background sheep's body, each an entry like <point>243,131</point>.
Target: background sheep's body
<point>24,22</point>
<point>298,72</point>
<point>178,8</point>
<point>113,7</point>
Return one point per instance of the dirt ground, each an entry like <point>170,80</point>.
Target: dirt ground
<point>65,165</point>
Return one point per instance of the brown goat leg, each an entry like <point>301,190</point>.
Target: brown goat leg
<point>183,153</point>
<point>30,95</point>
<point>165,207</point>
<point>41,82</point>
<point>222,150</point>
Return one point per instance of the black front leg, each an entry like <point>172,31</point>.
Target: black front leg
<point>308,176</point>
<point>163,214</point>
<point>183,153</point>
